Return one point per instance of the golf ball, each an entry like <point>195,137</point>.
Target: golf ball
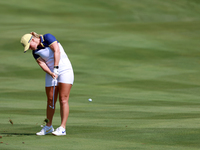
<point>89,99</point>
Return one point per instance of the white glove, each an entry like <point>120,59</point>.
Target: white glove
<point>55,70</point>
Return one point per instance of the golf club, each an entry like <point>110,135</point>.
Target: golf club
<point>54,80</point>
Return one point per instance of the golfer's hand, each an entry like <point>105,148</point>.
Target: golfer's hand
<point>55,71</point>
<point>53,75</point>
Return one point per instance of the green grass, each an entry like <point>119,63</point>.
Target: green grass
<point>137,60</point>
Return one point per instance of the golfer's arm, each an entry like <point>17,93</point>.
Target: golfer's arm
<point>55,48</point>
<point>44,66</point>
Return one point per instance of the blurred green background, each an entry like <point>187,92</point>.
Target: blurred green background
<point>137,60</point>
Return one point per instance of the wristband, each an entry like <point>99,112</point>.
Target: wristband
<point>56,67</point>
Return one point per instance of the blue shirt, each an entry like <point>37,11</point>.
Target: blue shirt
<point>46,41</point>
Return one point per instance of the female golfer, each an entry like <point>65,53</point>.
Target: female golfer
<point>52,58</point>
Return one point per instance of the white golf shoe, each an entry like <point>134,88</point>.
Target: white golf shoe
<point>45,130</point>
<point>59,131</point>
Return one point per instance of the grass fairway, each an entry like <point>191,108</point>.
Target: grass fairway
<point>137,60</point>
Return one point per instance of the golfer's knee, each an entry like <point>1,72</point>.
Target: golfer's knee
<point>64,99</point>
<point>50,99</point>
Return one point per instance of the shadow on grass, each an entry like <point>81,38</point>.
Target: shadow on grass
<point>13,134</point>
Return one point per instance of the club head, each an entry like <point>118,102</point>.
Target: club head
<point>51,107</point>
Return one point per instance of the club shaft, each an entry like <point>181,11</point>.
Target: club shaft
<point>53,95</point>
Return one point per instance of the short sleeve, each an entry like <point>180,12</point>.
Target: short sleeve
<point>49,39</point>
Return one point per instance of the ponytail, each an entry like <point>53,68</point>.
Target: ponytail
<point>35,34</point>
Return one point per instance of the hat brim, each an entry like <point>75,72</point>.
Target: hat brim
<point>26,47</point>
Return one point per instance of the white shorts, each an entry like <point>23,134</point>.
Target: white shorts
<point>65,77</point>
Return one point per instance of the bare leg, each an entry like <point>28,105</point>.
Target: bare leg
<point>50,112</point>
<point>64,92</point>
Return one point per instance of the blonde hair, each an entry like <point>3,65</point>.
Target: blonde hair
<point>35,34</point>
